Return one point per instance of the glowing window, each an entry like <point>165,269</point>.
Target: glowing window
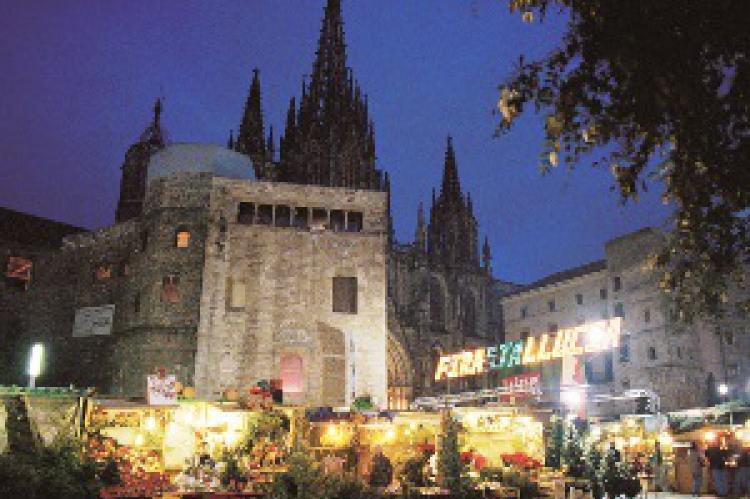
<point>182,239</point>
<point>18,271</point>
<point>291,373</point>
<point>170,291</point>
<point>103,272</point>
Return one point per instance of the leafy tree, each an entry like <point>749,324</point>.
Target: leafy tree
<point>449,457</point>
<point>656,90</point>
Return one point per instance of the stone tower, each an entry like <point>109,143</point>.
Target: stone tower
<point>329,139</point>
<point>452,231</point>
<point>135,168</point>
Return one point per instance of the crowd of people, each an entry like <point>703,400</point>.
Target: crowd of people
<point>729,468</point>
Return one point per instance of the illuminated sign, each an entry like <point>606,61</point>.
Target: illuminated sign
<point>570,342</point>
<point>523,385</point>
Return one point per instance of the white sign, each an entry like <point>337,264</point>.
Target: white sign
<point>161,390</point>
<point>93,321</point>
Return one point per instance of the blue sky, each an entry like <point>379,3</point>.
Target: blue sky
<point>80,77</point>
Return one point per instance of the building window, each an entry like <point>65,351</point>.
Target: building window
<point>603,293</point>
<point>733,370</point>
<point>236,293</point>
<point>552,328</point>
<point>345,295</point>
<point>679,352</point>
<point>619,310</point>
<point>616,284</point>
<point>354,221</point>
<point>301,218</point>
<point>18,272</point>
<point>137,303</point>
<point>551,305</point>
<point>625,348</point>
<point>290,372</point>
<point>647,315</point>
<point>626,384</point>
<point>319,218</point>
<point>524,311</point>
<point>338,221</point>
<point>651,353</point>
<point>182,238</point>
<point>170,289</point>
<point>265,214</point>
<point>579,299</point>
<point>283,216</point>
<point>524,335</point>
<point>103,272</point>
<point>246,213</point>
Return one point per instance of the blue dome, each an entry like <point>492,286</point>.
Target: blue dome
<point>200,158</point>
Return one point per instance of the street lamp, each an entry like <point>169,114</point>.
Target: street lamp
<point>35,363</point>
<point>723,389</point>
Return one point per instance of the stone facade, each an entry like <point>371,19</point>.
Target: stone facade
<point>657,352</point>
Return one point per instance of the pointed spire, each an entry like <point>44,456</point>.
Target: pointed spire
<point>153,134</point>
<point>250,138</point>
<point>487,257</point>
<point>270,145</point>
<point>420,234</point>
<point>451,187</point>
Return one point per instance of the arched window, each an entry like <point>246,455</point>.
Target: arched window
<point>290,371</point>
<point>437,305</point>
<point>182,238</point>
<point>468,315</point>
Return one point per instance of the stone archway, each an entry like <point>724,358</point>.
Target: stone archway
<point>400,372</point>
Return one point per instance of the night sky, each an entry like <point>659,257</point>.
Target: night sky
<point>78,80</point>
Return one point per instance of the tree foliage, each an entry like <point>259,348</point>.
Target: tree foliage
<point>658,91</point>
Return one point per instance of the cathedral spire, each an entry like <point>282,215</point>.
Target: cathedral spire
<point>270,145</point>
<point>250,139</point>
<point>487,257</point>
<point>420,234</point>
<point>451,187</point>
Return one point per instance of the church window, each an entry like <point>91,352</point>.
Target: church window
<point>301,218</point>
<point>354,221</point>
<point>603,293</point>
<point>182,238</point>
<point>170,290</point>
<point>245,213</point>
<point>468,315</point>
<point>551,305</point>
<point>345,295</point>
<point>103,272</point>
<point>18,272</point>
<point>290,372</point>
<point>437,305</point>
<point>524,311</point>
<point>265,214</point>
<point>337,221</point>
<point>617,283</point>
<point>283,216</point>
<point>579,299</point>
<point>651,353</point>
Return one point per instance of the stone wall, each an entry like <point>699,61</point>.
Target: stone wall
<point>286,276</point>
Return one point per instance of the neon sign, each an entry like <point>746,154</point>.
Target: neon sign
<point>570,342</point>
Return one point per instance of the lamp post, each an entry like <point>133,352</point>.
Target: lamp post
<point>35,363</point>
<point>723,390</point>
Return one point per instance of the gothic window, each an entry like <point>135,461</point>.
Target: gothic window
<point>301,217</point>
<point>265,214</point>
<point>354,221</point>
<point>468,315</point>
<point>524,311</point>
<point>651,353</point>
<point>170,289</point>
<point>283,216</point>
<point>437,305</point>
<point>290,372</point>
<point>18,272</point>
<point>345,295</point>
<point>182,238</point>
<point>616,283</point>
<point>103,272</point>
<point>246,213</point>
<point>338,221</point>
